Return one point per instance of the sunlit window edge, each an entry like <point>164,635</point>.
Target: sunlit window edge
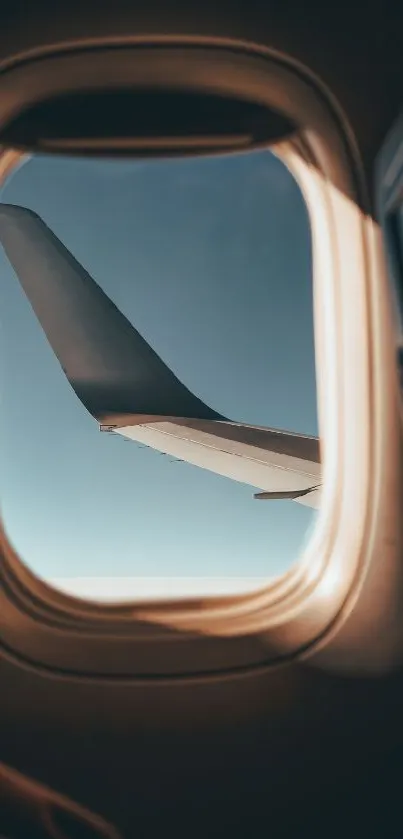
<point>129,589</point>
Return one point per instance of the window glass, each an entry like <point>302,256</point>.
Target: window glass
<point>210,260</point>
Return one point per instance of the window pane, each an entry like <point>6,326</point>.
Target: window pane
<point>210,260</point>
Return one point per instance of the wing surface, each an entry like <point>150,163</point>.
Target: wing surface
<point>129,389</point>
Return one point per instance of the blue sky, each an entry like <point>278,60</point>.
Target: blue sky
<point>210,260</point>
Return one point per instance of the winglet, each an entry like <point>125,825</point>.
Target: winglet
<point>112,369</point>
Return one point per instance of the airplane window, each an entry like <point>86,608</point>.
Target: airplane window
<point>156,326</point>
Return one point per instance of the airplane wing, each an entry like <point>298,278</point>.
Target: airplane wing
<point>128,389</point>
